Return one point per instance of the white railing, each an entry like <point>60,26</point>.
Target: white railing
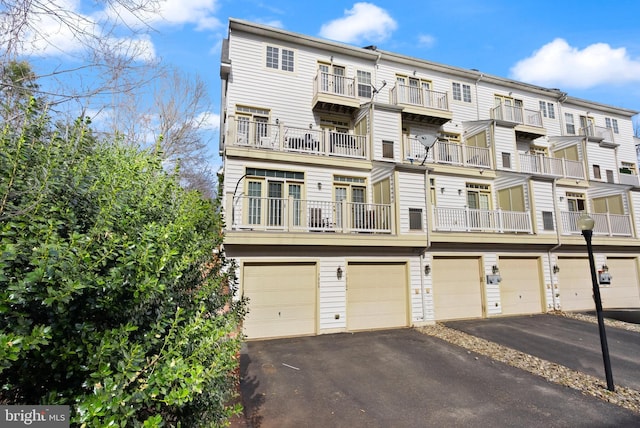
<point>606,134</point>
<point>545,165</point>
<point>412,95</point>
<point>517,115</point>
<point>263,135</point>
<point>335,84</point>
<point>446,152</point>
<point>282,214</point>
<point>605,223</point>
<point>477,220</point>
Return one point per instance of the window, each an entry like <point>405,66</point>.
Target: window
<point>609,204</point>
<point>596,172</point>
<point>506,160</point>
<point>609,176</point>
<point>274,60</point>
<point>547,220</point>
<point>461,92</point>
<point>364,84</point>
<point>272,57</point>
<point>387,149</point>
<point>628,168</point>
<point>415,219</point>
<point>575,202</point>
<point>568,120</point>
<point>252,127</point>
<point>278,186</point>
<point>512,199</point>
<point>478,196</point>
<point>547,109</point>
<point>612,124</point>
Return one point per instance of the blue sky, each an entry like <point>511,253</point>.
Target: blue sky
<point>587,48</point>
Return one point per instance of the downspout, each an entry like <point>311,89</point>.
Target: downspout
<point>477,103</point>
<point>426,248</point>
<point>556,246</point>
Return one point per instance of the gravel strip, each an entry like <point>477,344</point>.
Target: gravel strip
<point>552,372</point>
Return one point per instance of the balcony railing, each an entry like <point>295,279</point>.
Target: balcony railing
<point>334,84</point>
<point>557,167</point>
<point>517,115</point>
<point>412,95</point>
<point>477,220</point>
<point>449,153</point>
<point>301,140</point>
<point>599,132</point>
<point>605,223</point>
<point>298,215</point>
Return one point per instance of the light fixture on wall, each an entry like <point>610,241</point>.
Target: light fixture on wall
<point>442,190</point>
<point>319,185</point>
<point>556,269</point>
<point>459,192</point>
<point>427,269</point>
<point>339,272</point>
<point>605,268</point>
<point>311,126</point>
<point>495,269</point>
<point>277,121</point>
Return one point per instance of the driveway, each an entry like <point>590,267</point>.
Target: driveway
<point>571,343</point>
<point>402,378</point>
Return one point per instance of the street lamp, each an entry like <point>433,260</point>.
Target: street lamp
<point>586,223</point>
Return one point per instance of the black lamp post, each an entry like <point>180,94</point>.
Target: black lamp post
<point>586,223</point>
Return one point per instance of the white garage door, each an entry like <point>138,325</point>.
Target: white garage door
<point>376,295</point>
<point>574,282</point>
<point>623,292</point>
<point>282,299</point>
<point>520,288</point>
<point>457,291</point>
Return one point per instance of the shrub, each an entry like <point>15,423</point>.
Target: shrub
<point>112,284</point>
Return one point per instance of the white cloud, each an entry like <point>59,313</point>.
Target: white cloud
<point>426,40</point>
<point>208,120</point>
<point>170,12</point>
<point>365,22</point>
<point>558,64</point>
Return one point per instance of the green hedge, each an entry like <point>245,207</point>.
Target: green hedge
<point>112,284</point>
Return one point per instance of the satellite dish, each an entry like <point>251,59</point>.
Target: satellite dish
<point>427,140</point>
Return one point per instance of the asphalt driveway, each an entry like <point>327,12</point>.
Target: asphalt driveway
<point>569,342</point>
<point>402,378</point>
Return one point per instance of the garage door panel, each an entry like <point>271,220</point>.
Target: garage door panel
<point>282,300</point>
<point>457,292</point>
<point>574,281</point>
<point>376,296</point>
<point>623,292</point>
<point>520,291</point>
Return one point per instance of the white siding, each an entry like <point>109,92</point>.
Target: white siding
<point>492,291</point>
<point>543,197</point>
<point>504,139</point>
<point>412,195</point>
<point>387,126</point>
<point>332,294</point>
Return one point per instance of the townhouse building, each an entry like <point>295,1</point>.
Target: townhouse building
<point>366,189</point>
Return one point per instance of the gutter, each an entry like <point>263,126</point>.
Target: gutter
<point>427,247</point>
<point>556,246</point>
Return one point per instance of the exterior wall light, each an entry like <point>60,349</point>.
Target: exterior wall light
<point>495,269</point>
<point>319,185</point>
<point>605,268</point>
<point>427,269</point>
<point>556,269</point>
<point>339,272</point>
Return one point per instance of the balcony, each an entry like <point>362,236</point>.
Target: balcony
<point>477,220</point>
<point>527,122</point>
<point>628,178</point>
<point>261,135</point>
<point>425,104</point>
<point>334,92</point>
<point>600,134</point>
<point>448,153</point>
<point>606,224</point>
<point>297,215</point>
<point>553,167</point>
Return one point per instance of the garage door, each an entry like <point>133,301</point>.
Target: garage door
<point>574,282</point>
<point>282,299</point>
<point>457,291</point>
<point>520,288</point>
<point>623,291</point>
<point>376,295</point>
